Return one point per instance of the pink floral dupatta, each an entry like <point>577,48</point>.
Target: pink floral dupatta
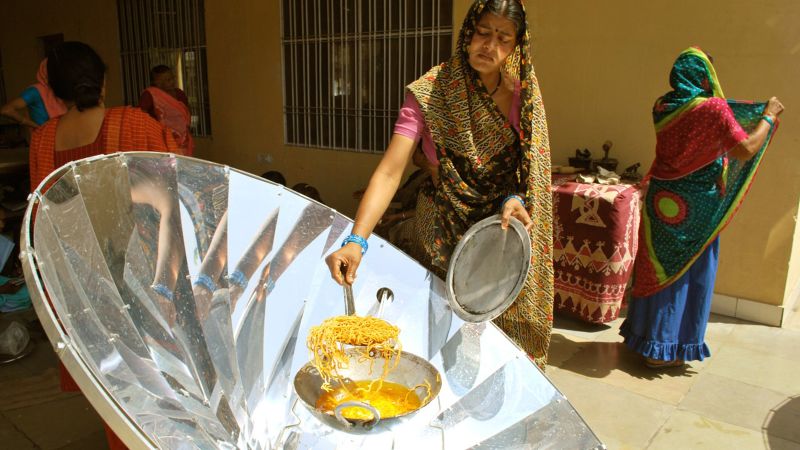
<point>176,116</point>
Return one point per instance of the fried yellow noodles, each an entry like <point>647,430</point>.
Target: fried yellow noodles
<point>369,336</point>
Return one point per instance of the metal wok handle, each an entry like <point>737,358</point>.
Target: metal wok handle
<point>426,391</point>
<point>349,301</point>
<point>376,416</point>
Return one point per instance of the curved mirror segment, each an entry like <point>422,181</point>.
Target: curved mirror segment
<point>179,294</point>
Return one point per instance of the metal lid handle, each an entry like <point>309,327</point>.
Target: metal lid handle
<point>376,416</point>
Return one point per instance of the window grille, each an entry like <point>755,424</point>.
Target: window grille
<point>346,64</point>
<point>169,32</point>
<point>3,98</point>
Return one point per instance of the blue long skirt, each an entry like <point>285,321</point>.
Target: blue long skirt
<point>671,324</point>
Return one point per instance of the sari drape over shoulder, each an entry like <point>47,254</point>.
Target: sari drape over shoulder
<point>176,116</point>
<point>694,188</point>
<point>52,104</point>
<point>483,160</point>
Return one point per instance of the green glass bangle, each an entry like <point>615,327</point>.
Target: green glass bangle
<point>769,120</point>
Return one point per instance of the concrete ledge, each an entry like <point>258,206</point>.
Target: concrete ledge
<point>791,305</point>
<point>742,308</point>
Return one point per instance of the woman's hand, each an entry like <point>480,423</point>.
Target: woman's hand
<point>346,258</point>
<point>774,107</point>
<point>513,208</point>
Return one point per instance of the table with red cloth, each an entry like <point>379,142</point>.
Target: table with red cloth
<point>595,230</point>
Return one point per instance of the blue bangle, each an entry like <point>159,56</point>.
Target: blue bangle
<point>163,291</point>
<point>769,120</point>
<point>206,282</point>
<point>358,240</point>
<point>515,196</point>
<point>238,278</point>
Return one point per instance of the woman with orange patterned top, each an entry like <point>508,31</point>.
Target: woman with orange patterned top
<point>77,76</point>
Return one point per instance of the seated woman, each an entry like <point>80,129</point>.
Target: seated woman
<point>308,190</point>
<point>168,104</point>
<point>77,77</point>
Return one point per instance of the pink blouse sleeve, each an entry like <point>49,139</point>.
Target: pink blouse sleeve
<point>411,124</point>
<point>410,121</point>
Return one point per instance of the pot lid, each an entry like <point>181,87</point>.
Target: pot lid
<point>488,269</point>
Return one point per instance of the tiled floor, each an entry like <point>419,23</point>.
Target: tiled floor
<point>746,396</point>
<point>34,413</point>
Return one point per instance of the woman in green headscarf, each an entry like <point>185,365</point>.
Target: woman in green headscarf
<point>707,152</point>
<point>481,121</point>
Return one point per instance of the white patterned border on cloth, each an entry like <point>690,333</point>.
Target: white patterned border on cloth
<point>595,230</point>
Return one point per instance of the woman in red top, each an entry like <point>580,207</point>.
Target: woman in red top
<point>77,76</point>
<point>168,104</point>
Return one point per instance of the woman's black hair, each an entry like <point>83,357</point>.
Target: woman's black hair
<point>76,73</point>
<point>511,10</point>
<point>274,176</point>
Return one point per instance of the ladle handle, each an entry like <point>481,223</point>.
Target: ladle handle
<point>376,416</point>
<point>349,301</point>
<point>385,295</point>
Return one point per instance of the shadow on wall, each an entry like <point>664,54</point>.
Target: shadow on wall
<point>780,425</point>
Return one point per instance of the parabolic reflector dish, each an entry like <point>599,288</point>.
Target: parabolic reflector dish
<point>179,293</point>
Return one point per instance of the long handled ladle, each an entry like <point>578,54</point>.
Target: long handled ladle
<point>349,301</point>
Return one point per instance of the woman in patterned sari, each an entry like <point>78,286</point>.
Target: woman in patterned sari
<point>481,121</point>
<point>707,152</point>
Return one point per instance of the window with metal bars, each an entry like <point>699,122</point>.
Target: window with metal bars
<point>3,98</point>
<point>346,64</point>
<point>172,33</point>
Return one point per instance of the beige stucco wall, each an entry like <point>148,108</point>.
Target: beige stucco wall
<point>600,64</point>
<point>91,21</point>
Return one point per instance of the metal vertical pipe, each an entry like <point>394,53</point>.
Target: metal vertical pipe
<point>347,83</point>
<point>387,70</point>
<point>306,90</point>
<point>358,83</point>
<point>373,91</point>
<point>283,73</point>
<point>318,99</point>
<point>295,75</point>
<point>330,112</point>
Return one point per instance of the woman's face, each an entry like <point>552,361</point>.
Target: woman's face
<point>494,39</point>
<point>165,81</point>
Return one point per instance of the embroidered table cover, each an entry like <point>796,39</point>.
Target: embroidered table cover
<point>595,229</point>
